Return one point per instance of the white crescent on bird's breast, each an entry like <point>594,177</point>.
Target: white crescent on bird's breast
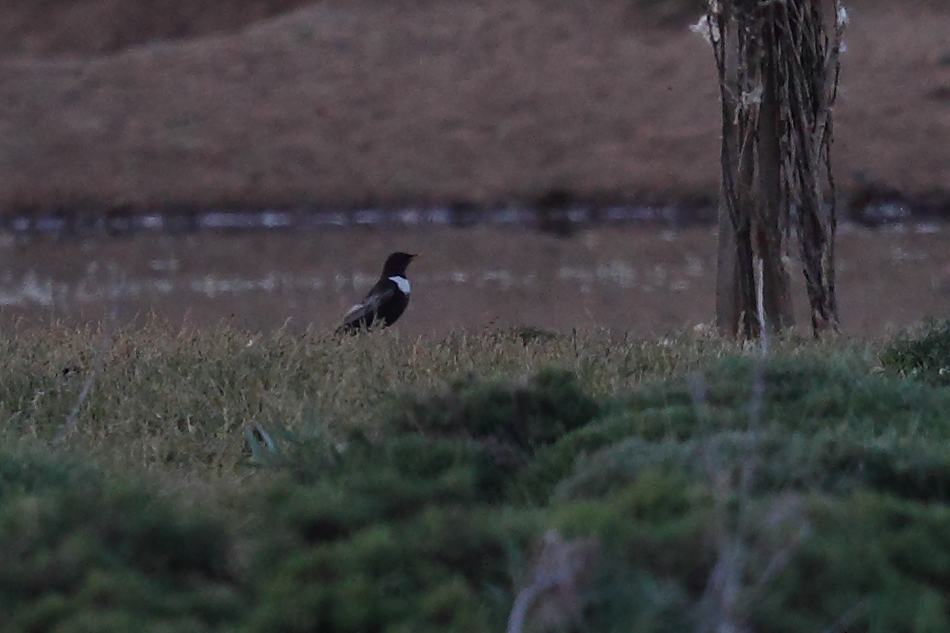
<point>402,283</point>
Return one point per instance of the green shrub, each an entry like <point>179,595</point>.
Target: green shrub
<point>827,462</point>
<point>404,535</point>
<point>822,425</point>
<point>872,563</point>
<point>924,356</point>
<point>403,529</point>
<point>83,553</point>
<point>804,394</point>
<point>509,422</point>
<point>658,522</point>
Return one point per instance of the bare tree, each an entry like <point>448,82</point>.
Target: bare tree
<point>778,78</point>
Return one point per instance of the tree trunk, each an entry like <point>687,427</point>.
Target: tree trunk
<point>778,77</point>
<point>728,297</point>
<point>771,225</point>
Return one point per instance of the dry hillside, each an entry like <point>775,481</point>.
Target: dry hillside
<point>106,102</point>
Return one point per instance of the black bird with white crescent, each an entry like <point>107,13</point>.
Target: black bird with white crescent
<point>386,301</point>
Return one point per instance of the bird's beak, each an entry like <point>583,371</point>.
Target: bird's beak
<point>413,255</point>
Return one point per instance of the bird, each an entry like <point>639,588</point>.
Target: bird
<point>387,299</point>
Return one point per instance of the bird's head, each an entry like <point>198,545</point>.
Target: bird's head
<point>396,264</point>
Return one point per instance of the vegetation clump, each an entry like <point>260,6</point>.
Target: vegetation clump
<point>924,356</point>
<point>510,421</point>
<point>803,491</point>
<point>85,553</point>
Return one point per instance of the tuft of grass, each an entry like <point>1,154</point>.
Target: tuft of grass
<point>182,400</point>
<point>923,355</point>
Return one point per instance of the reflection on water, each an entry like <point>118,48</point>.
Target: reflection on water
<point>644,280</point>
<point>30,289</point>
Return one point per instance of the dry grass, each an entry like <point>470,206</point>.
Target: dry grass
<point>179,400</point>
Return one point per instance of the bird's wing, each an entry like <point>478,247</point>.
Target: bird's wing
<point>380,293</point>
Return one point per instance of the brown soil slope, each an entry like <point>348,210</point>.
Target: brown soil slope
<point>87,27</point>
<point>347,101</point>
